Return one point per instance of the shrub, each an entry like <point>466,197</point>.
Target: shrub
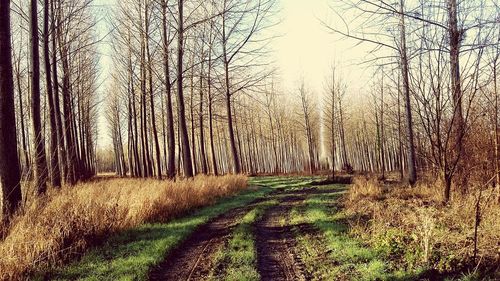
<point>412,228</point>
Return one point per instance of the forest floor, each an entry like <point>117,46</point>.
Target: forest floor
<point>282,228</point>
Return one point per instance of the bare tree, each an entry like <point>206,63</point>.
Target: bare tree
<point>55,172</point>
<point>40,157</point>
<point>235,37</point>
<point>181,112</point>
<point>10,175</point>
<point>168,95</point>
<point>307,107</point>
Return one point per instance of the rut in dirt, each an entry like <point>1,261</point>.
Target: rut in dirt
<point>277,258</point>
<point>192,259</point>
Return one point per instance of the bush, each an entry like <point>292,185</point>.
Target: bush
<point>412,228</point>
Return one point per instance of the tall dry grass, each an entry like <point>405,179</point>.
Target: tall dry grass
<point>414,228</point>
<point>66,222</point>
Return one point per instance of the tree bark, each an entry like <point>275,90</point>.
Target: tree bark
<point>57,107</point>
<point>186,153</point>
<point>151,99</point>
<point>170,119</point>
<point>458,120</point>
<point>203,157</point>
<point>55,172</point>
<point>40,157</point>
<point>412,170</point>
<point>10,174</point>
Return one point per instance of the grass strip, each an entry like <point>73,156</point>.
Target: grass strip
<point>241,253</point>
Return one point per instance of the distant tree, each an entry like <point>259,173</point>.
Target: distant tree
<point>307,107</point>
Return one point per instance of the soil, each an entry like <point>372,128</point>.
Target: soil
<point>277,256</point>
<point>192,259</point>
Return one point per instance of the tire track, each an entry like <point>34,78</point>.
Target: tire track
<point>192,259</point>
<point>277,258</point>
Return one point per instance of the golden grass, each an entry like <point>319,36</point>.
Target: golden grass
<point>65,222</point>
<point>364,187</point>
<point>429,234</point>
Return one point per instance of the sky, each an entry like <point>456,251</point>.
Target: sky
<point>307,48</point>
<point>303,48</point>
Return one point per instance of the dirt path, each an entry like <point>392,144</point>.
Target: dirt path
<point>192,259</point>
<point>277,258</point>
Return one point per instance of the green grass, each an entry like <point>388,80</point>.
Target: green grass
<point>341,256</point>
<point>284,181</point>
<point>239,259</point>
<point>129,255</point>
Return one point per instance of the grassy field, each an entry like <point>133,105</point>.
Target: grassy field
<point>278,228</point>
<point>131,254</point>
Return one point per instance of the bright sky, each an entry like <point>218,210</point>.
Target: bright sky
<point>304,49</point>
<point>307,49</point>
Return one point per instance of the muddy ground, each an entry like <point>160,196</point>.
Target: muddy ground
<point>277,256</point>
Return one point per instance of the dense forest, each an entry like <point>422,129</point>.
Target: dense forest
<point>193,90</point>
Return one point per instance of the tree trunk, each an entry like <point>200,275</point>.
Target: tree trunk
<point>191,115</point>
<point>55,172</point>
<point>68,117</point>
<point>382,133</point>
<point>412,170</point>
<point>497,152</point>
<point>10,174</point>
<point>170,119</point>
<point>57,107</point>
<point>186,153</point>
<point>151,99</point>
<point>40,157</point>
<point>345,163</point>
<point>458,124</point>
<point>203,157</point>
<point>234,150</point>
<point>25,169</point>
<point>210,110</point>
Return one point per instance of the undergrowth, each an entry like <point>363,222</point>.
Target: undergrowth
<point>64,223</point>
<point>330,252</point>
<point>412,229</point>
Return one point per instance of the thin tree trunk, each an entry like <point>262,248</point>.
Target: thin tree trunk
<point>170,119</point>
<point>458,120</point>
<point>412,170</point>
<point>203,157</point>
<point>55,172</point>
<point>151,98</point>
<point>186,153</point>
<point>23,127</point>
<point>40,157</point>
<point>191,115</point>
<point>57,108</point>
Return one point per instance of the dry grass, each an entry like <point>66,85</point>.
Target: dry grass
<point>365,187</point>
<point>65,222</point>
<point>415,230</point>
